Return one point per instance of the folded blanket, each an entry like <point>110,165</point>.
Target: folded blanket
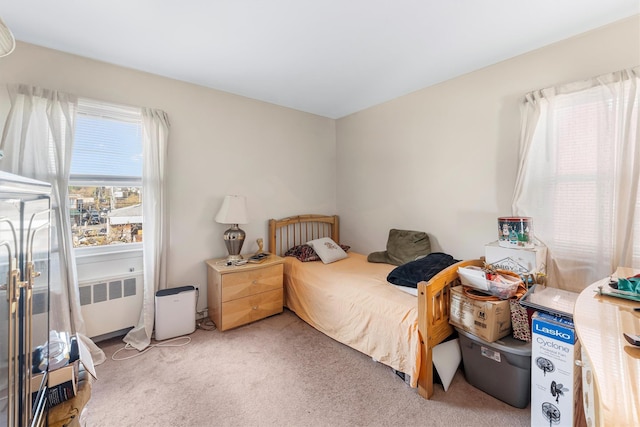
<point>422,269</point>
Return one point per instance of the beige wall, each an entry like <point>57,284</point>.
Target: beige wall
<point>283,160</point>
<point>444,159</point>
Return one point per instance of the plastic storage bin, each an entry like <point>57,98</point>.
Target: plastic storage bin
<point>501,368</point>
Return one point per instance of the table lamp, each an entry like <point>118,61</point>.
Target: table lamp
<point>233,211</point>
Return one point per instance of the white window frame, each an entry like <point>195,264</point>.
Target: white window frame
<point>109,111</point>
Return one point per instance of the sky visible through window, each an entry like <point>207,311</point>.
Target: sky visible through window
<point>105,147</point>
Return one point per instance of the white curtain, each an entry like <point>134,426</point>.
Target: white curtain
<point>155,214</point>
<point>578,176</point>
<point>37,143</point>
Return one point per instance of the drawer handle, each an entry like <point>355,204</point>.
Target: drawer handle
<point>255,307</point>
<point>254,282</point>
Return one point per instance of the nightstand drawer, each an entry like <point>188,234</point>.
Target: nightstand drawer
<point>249,309</point>
<point>251,282</point>
<point>237,295</point>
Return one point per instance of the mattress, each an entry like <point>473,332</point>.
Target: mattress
<point>351,301</point>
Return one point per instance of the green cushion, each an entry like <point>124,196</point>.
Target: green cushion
<point>403,246</point>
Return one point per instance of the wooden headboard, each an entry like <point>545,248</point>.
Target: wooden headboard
<point>296,230</point>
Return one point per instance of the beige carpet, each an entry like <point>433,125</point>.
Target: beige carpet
<point>275,372</point>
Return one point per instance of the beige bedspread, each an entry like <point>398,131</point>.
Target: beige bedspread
<point>351,301</point>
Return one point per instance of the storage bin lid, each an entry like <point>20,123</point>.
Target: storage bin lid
<point>506,344</point>
<point>550,300</point>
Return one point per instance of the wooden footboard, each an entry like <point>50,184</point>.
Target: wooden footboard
<point>433,319</point>
<point>433,296</point>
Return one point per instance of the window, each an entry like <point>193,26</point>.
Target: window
<point>581,180</point>
<point>105,183</point>
<point>589,175</point>
<point>579,176</point>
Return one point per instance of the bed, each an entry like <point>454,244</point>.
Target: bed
<point>351,301</point>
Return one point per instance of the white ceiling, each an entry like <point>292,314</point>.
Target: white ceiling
<point>328,57</point>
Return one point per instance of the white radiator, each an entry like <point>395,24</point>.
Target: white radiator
<point>111,304</point>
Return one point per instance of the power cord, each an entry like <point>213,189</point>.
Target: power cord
<point>167,343</point>
<point>206,324</point>
<point>203,322</point>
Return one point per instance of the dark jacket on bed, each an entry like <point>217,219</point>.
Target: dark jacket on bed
<point>422,269</point>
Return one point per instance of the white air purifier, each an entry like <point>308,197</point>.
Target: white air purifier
<point>175,312</point>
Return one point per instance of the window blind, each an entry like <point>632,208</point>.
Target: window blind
<point>107,144</point>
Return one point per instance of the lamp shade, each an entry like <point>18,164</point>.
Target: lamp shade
<point>7,41</point>
<point>233,210</point>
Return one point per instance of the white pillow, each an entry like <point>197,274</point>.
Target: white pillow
<point>328,250</point>
<point>446,359</point>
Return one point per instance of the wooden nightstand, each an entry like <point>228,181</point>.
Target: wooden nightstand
<point>237,295</point>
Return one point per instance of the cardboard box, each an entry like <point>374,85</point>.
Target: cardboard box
<point>556,388</point>
<point>62,383</point>
<point>488,320</point>
<point>532,260</point>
